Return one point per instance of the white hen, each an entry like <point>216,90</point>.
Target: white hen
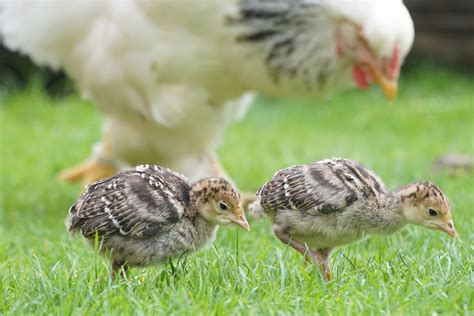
<point>169,75</point>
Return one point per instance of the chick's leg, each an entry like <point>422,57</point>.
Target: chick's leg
<point>93,169</point>
<point>287,240</point>
<point>321,257</point>
<point>119,267</point>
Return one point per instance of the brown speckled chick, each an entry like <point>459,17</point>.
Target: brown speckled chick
<point>329,203</point>
<point>151,214</point>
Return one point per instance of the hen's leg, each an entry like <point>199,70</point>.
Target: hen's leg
<point>216,168</point>
<point>88,172</point>
<point>92,169</point>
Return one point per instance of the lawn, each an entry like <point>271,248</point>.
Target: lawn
<point>416,271</point>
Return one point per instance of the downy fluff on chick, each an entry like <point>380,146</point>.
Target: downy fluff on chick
<point>151,214</point>
<point>318,206</point>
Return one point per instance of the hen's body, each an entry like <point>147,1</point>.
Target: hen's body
<point>170,75</point>
<point>161,87</point>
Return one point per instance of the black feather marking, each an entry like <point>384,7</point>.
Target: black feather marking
<point>328,208</point>
<point>150,231</point>
<point>363,171</point>
<point>256,37</point>
<point>306,201</point>
<point>286,46</point>
<point>90,226</point>
<point>248,13</point>
<point>143,193</point>
<point>319,178</point>
<point>351,199</point>
<point>285,26</point>
<point>343,178</point>
<point>358,176</point>
<point>377,186</point>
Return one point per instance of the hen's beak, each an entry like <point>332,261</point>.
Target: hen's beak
<point>242,222</point>
<point>377,70</point>
<point>449,229</point>
<point>389,86</point>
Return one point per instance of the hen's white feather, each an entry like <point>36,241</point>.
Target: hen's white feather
<point>169,75</point>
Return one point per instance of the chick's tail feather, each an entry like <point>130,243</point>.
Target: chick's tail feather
<point>256,210</point>
<point>72,220</point>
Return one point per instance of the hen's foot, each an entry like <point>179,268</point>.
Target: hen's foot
<point>88,172</point>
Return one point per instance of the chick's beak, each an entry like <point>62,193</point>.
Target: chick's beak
<point>241,221</point>
<point>449,229</point>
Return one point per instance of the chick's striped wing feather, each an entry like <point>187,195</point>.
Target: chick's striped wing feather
<point>288,189</point>
<point>321,187</point>
<point>135,203</point>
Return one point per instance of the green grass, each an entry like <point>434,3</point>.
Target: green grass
<point>416,271</point>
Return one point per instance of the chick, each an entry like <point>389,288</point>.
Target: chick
<point>329,203</point>
<point>151,214</point>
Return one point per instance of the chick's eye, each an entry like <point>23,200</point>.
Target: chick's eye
<point>432,212</point>
<point>223,206</point>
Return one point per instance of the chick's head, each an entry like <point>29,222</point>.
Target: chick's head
<point>426,205</point>
<point>219,202</point>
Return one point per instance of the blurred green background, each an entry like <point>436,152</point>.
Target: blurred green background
<point>45,127</point>
<point>415,271</point>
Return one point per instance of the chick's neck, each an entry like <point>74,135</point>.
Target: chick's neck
<point>404,200</point>
<point>390,214</point>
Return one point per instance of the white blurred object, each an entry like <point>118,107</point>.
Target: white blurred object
<point>170,75</point>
